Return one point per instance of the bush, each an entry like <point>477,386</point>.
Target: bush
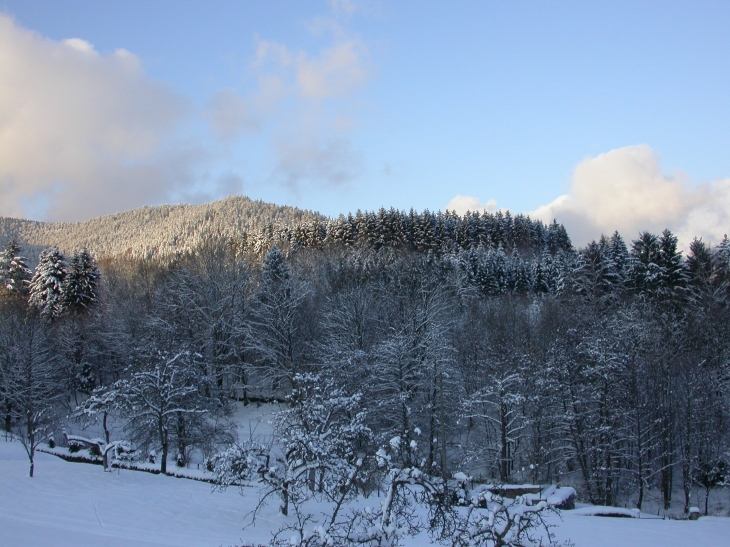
<point>74,446</point>
<point>128,454</point>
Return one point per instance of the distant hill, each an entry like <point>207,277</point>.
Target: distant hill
<point>154,231</point>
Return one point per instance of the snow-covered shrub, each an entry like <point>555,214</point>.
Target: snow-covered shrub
<point>75,446</point>
<point>238,464</point>
<point>558,497</point>
<point>494,521</point>
<point>387,524</point>
<point>320,438</point>
<point>126,452</point>
<point>562,497</point>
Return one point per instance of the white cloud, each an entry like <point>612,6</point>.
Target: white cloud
<point>81,133</point>
<point>625,190</point>
<point>462,204</point>
<point>302,102</point>
<point>335,72</point>
<point>308,159</point>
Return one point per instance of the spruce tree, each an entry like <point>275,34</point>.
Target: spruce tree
<point>14,271</point>
<point>674,272</point>
<point>82,280</point>
<point>48,283</point>
<point>644,275</point>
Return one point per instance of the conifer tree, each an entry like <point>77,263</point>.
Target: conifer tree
<point>82,280</point>
<point>619,255</point>
<point>47,284</point>
<point>14,271</point>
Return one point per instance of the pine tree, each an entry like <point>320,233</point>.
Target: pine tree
<point>82,282</point>
<point>47,284</point>
<point>674,272</point>
<point>597,276</point>
<point>521,277</point>
<point>557,238</point>
<point>700,267</point>
<point>619,255</point>
<point>644,275</point>
<point>14,271</point>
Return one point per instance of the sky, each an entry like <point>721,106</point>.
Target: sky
<point>605,115</point>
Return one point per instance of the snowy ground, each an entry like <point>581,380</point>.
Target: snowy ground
<point>72,504</point>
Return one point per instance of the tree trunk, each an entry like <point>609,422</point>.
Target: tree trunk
<point>609,478</point>
<point>8,418</point>
<point>163,440</point>
<point>244,381</point>
<point>31,454</point>
<point>284,507</point>
<point>443,429</point>
<point>312,480</point>
<point>503,454</point>
<point>182,441</point>
<point>641,494</point>
<point>105,454</point>
<point>686,485</point>
<point>432,430</point>
<point>667,487</point>
<point>163,462</point>
<point>106,429</point>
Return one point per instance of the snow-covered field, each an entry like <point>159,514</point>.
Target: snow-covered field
<point>73,504</point>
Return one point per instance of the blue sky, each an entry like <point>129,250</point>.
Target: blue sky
<point>605,115</point>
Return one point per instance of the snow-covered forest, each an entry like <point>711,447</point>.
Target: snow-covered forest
<point>409,349</point>
<point>160,231</point>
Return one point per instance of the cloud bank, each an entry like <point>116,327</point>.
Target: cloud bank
<point>626,190</point>
<point>83,134</point>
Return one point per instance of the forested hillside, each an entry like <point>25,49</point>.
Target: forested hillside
<point>168,231</point>
<point>159,231</point>
<point>484,344</point>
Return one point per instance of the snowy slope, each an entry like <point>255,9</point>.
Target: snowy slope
<point>69,504</point>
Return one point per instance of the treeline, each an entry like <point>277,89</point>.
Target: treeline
<point>437,233</point>
<point>170,231</point>
<point>489,342</point>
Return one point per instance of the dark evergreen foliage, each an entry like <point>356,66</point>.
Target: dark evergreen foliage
<point>14,272</point>
<point>82,283</point>
<point>48,284</point>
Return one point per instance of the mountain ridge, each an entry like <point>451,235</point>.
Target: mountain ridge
<point>154,231</point>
